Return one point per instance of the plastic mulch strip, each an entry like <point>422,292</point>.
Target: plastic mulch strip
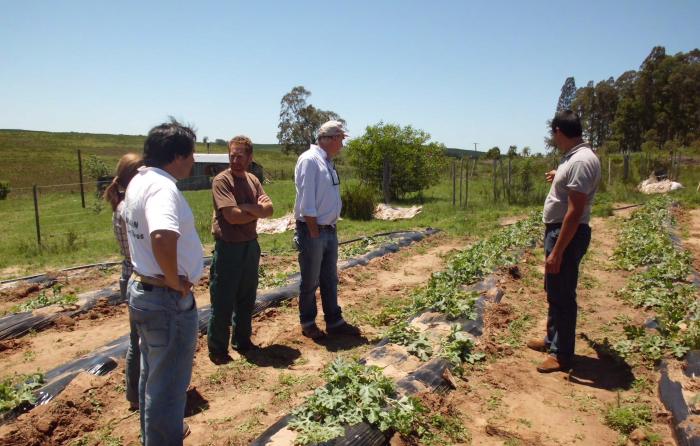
<point>103,360</point>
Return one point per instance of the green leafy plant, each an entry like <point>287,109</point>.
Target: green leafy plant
<point>645,243</point>
<point>354,393</point>
<point>362,246</point>
<point>44,300</point>
<point>415,342</point>
<point>458,348</point>
<point>625,418</point>
<point>268,279</point>
<point>18,390</point>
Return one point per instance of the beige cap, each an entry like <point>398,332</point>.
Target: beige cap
<point>332,128</point>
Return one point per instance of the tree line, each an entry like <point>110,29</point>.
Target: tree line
<point>654,108</point>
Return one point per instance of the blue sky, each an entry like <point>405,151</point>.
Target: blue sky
<point>486,72</point>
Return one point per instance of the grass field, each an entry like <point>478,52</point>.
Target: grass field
<point>72,235</point>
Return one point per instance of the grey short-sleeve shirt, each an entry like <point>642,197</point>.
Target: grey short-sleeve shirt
<point>579,170</point>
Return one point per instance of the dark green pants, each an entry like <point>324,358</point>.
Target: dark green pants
<point>233,282</point>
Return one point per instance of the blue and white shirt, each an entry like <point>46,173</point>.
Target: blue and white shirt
<point>317,187</point>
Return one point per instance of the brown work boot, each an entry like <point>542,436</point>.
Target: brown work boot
<point>554,364</point>
<point>312,331</point>
<point>537,345</point>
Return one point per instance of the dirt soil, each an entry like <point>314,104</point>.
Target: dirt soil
<point>503,401</point>
<point>234,402</point>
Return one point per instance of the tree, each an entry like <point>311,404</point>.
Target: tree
<point>414,162</point>
<point>512,152</point>
<point>493,153</point>
<point>525,151</point>
<point>300,121</point>
<point>568,94</point>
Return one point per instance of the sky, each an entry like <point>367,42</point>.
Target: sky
<point>486,72</point>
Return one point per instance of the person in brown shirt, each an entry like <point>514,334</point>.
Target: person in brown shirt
<point>239,201</point>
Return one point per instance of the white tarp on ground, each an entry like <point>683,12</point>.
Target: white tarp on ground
<point>276,225</point>
<point>653,186</point>
<point>385,212</point>
<point>381,212</point>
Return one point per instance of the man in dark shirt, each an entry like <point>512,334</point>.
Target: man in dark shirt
<point>239,200</point>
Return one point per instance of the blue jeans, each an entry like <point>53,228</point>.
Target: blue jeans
<point>318,258</point>
<point>133,354</point>
<point>166,323</point>
<point>561,291</point>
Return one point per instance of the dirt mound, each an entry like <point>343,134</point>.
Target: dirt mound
<point>11,344</point>
<point>69,416</point>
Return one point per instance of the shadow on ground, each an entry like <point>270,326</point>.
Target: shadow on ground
<point>608,371</point>
<point>274,355</point>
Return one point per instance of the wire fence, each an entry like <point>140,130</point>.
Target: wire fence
<point>63,216</point>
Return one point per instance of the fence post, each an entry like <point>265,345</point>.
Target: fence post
<point>609,169</point>
<point>461,173</point>
<point>454,184</point>
<point>493,174</point>
<point>386,180</point>
<point>80,172</point>
<point>509,177</point>
<point>466,186</point>
<point>36,216</point>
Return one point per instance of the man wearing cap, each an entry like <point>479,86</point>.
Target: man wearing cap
<point>239,201</point>
<point>567,211</point>
<point>167,257</point>
<point>316,209</point>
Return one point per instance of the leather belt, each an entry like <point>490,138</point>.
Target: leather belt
<point>148,282</point>
<point>332,227</point>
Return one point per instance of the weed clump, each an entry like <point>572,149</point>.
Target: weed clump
<point>359,202</point>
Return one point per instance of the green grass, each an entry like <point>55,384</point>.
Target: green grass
<point>72,235</point>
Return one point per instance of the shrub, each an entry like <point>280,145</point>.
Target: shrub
<point>414,162</point>
<point>4,189</point>
<point>96,168</point>
<point>359,202</point>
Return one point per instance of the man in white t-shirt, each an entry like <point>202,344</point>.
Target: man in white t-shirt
<point>167,257</point>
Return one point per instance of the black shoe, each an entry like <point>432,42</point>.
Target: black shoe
<point>344,330</point>
<point>312,331</point>
<point>220,359</point>
<point>245,346</point>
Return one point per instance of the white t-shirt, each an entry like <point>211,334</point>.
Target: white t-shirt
<point>153,202</point>
<point>317,187</point>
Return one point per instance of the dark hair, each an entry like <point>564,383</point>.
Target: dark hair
<point>166,141</point>
<point>568,122</point>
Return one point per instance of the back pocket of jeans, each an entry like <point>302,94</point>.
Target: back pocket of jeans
<point>153,326</point>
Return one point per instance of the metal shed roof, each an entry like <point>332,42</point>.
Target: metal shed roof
<point>215,158</point>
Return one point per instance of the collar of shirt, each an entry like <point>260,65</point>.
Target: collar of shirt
<point>159,171</point>
<point>575,149</point>
<point>319,151</point>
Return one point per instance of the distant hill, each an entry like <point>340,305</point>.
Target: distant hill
<point>49,158</point>
<point>462,153</point>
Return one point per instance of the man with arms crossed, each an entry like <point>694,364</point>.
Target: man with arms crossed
<point>316,210</point>
<point>567,211</point>
<point>167,257</point>
<point>239,201</point>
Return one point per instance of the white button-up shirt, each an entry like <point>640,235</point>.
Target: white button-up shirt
<point>317,187</point>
